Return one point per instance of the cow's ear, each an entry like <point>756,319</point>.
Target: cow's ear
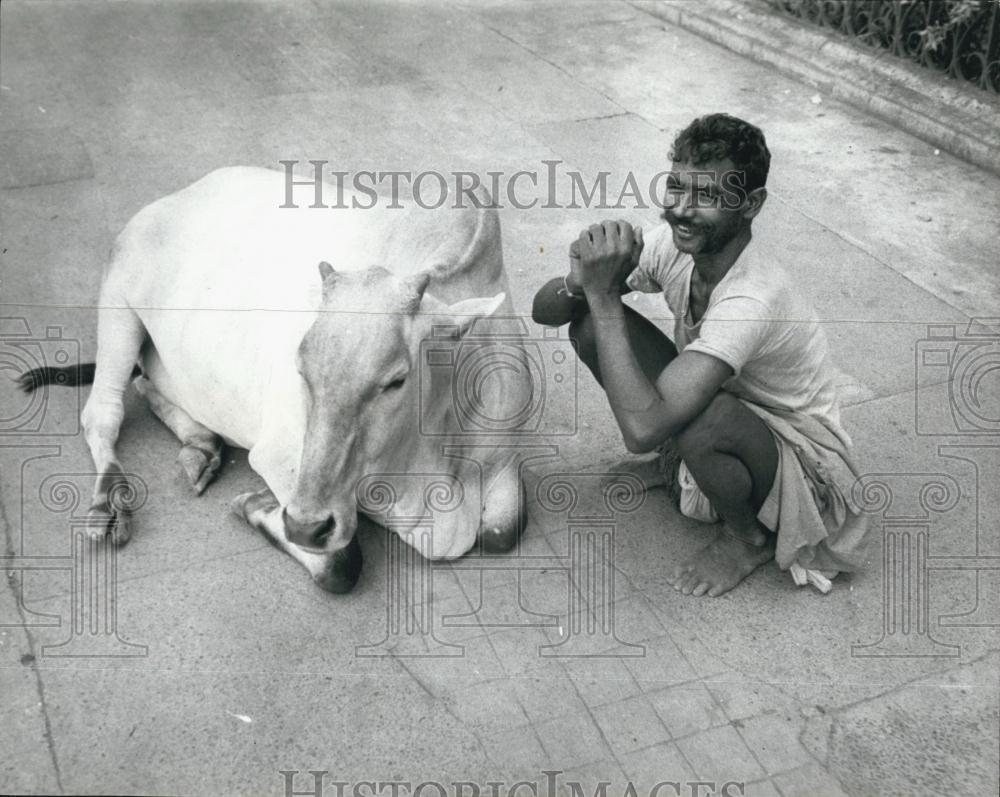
<point>329,277</point>
<point>454,320</point>
<point>414,288</point>
<point>326,271</point>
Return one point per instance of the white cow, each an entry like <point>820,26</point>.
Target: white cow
<point>246,334</point>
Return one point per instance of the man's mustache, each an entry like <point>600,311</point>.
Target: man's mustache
<point>670,218</point>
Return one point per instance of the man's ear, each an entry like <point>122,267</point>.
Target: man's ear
<point>755,202</point>
<point>454,320</point>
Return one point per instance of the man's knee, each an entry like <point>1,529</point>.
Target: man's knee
<point>710,429</point>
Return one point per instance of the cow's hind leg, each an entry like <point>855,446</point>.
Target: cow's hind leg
<point>335,572</point>
<point>201,452</point>
<point>120,335</point>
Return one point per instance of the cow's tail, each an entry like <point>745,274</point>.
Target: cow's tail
<point>64,376</point>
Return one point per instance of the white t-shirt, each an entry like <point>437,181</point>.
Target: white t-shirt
<point>755,322</point>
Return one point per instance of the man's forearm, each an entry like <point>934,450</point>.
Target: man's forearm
<point>635,401</point>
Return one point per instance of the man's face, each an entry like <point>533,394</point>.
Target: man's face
<point>703,205</point>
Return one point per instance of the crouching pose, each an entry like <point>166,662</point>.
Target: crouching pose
<point>746,394</point>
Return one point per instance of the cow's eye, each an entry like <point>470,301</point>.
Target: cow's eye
<point>395,384</point>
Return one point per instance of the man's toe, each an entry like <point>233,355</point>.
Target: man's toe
<point>700,590</point>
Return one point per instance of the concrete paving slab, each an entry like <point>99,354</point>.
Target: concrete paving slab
<point>27,159</point>
<point>954,723</point>
<point>29,764</point>
<point>688,709</point>
<point>652,764</point>
<point>249,669</point>
<point>722,754</point>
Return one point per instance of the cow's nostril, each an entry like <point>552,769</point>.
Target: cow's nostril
<point>323,531</point>
<point>309,534</point>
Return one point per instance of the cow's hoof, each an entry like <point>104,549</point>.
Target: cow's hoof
<point>101,522</point>
<point>201,461</point>
<point>343,569</point>
<point>252,507</point>
<point>496,540</point>
<point>110,514</point>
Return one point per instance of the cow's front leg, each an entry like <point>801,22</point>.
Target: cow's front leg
<point>120,335</point>
<point>201,451</point>
<point>335,572</point>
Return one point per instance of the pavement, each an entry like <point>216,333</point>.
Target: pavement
<point>953,115</point>
<point>199,660</point>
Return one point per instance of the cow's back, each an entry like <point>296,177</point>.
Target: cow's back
<point>226,281</point>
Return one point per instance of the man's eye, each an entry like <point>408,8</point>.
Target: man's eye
<point>395,384</point>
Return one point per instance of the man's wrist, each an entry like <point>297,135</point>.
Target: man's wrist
<point>571,288</point>
<point>606,303</point>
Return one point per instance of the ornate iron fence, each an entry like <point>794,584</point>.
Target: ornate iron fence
<point>958,37</point>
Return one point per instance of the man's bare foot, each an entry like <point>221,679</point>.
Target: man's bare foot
<point>720,565</point>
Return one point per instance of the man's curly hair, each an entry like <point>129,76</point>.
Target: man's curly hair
<point>718,136</point>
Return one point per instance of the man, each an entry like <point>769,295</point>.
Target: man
<point>747,397</point>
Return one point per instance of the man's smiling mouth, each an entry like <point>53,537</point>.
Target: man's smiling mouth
<point>683,230</point>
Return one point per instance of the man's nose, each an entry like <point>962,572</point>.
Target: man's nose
<point>684,207</point>
<point>308,534</point>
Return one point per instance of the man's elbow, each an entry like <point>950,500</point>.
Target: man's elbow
<point>637,441</point>
<point>636,445</point>
<point>643,439</point>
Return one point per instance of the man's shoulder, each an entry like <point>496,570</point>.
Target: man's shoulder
<point>762,276</point>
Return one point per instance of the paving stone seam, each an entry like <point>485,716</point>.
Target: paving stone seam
<point>443,704</point>
<point>556,66</point>
<point>916,679</point>
<point>32,646</point>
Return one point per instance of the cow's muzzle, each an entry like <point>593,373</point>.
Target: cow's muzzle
<point>310,534</point>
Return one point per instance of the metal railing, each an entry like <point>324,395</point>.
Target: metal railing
<point>960,38</point>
